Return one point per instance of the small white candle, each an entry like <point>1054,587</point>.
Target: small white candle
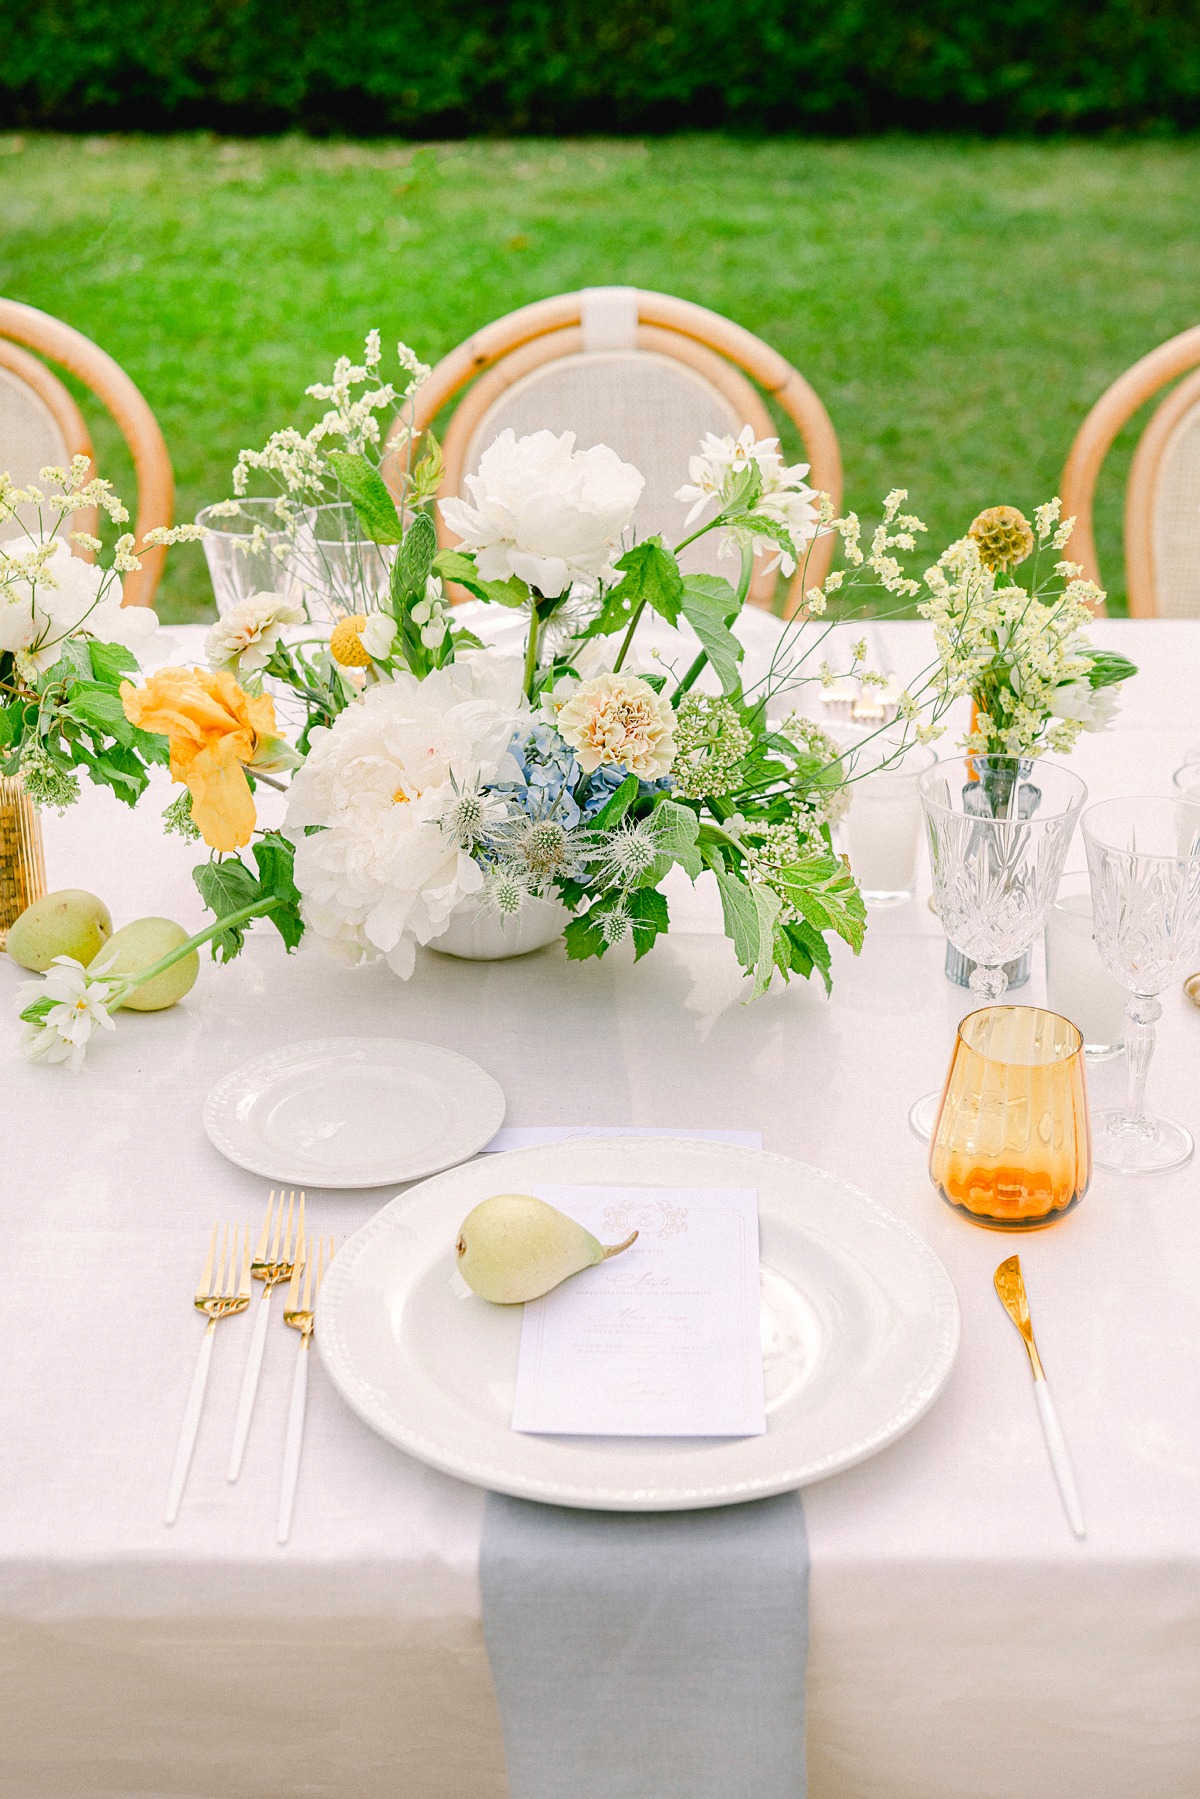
<point>1078,986</point>
<point>883,828</point>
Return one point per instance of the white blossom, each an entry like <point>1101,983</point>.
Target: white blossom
<point>244,638</point>
<point>544,511</point>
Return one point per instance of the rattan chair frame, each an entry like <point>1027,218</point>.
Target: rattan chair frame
<point>71,350</point>
<point>1115,407</point>
<point>725,353</point>
<point>60,403</point>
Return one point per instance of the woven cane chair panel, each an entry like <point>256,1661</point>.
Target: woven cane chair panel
<point>649,408</point>
<point>30,438</point>
<point>1177,520</point>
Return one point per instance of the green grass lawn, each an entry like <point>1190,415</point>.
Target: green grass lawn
<point>958,306</point>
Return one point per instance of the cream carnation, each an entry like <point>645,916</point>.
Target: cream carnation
<point>546,512</point>
<point>244,637</point>
<point>383,874</point>
<point>47,595</point>
<point>619,721</point>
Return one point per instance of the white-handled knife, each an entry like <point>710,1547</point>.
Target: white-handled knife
<point>1010,1285</point>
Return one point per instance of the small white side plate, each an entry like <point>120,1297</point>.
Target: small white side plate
<point>859,1329</point>
<point>353,1112</point>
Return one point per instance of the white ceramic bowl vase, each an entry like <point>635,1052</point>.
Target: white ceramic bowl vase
<point>484,936</point>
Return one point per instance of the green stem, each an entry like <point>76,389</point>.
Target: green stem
<point>531,649</point>
<point>258,910</point>
<point>628,638</point>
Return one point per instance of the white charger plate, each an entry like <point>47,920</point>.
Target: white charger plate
<point>859,1324</point>
<point>353,1112</point>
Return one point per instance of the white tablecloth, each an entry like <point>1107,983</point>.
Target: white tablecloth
<point>964,1646</point>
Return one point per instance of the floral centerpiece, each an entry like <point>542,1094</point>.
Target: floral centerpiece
<point>430,776</point>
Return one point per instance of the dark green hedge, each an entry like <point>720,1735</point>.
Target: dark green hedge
<point>456,67</point>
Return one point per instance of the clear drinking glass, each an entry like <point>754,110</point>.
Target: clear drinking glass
<point>1012,1146</point>
<point>1077,983</point>
<point>333,569</point>
<point>995,872</point>
<point>883,826</point>
<point>247,553</point>
<point>1144,859</point>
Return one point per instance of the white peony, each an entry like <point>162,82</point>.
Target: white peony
<point>382,875</point>
<point>243,638</point>
<point>617,721</point>
<point>48,594</point>
<point>1092,707</point>
<point>546,512</point>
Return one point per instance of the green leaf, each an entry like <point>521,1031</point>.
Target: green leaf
<point>676,828</point>
<point>648,918</point>
<point>823,891</point>
<point>275,858</point>
<point>750,914</point>
<point>74,664</point>
<point>226,886</point>
<point>762,526</point>
<point>743,491</point>
<point>708,604</point>
<point>614,810</point>
<point>651,578</point>
<point>453,565</point>
<point>369,496</point>
<point>415,561</point>
<point>799,949</point>
<point>462,639</point>
<point>583,936</point>
<point>101,709</point>
<point>111,661</point>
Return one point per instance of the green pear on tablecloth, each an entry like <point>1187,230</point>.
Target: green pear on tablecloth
<point>71,922</point>
<point>139,945</point>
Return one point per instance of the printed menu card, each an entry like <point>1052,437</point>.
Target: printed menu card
<point>660,1341</point>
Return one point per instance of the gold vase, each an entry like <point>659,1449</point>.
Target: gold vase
<point>22,863</point>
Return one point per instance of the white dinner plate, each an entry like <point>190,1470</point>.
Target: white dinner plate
<point>859,1328</point>
<point>353,1112</point>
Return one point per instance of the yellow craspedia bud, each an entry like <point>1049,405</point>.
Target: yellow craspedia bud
<point>346,645</point>
<point>1003,536</point>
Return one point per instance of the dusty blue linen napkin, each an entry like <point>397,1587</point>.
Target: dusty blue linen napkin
<point>654,1655</point>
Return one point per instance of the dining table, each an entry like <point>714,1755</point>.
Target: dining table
<point>963,1643</point>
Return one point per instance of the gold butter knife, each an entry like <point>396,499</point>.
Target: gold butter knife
<point>1010,1285</point>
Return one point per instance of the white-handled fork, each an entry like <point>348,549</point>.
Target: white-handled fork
<point>279,1242</point>
<point>224,1289</point>
<point>300,1312</point>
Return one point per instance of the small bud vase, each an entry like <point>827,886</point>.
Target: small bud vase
<point>22,862</point>
<point>479,935</point>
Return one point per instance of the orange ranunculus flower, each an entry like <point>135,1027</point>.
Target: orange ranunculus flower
<point>214,728</point>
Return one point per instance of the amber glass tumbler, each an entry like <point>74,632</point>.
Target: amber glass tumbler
<point>1012,1147</point>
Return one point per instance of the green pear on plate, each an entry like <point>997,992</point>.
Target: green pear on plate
<point>71,922</point>
<point>514,1247</point>
<point>139,945</point>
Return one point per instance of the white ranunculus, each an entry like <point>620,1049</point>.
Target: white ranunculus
<point>1092,707</point>
<point>382,875</point>
<point>546,512</point>
<point>243,638</point>
<point>40,608</point>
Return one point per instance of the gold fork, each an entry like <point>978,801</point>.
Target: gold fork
<point>224,1289</point>
<point>281,1238</point>
<point>299,1311</point>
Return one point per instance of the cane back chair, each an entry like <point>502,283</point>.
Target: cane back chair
<point>40,424</point>
<point>648,375</point>
<point>1162,495</point>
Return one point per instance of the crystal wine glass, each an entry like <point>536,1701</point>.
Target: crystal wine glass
<point>998,829</point>
<point>1144,860</point>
